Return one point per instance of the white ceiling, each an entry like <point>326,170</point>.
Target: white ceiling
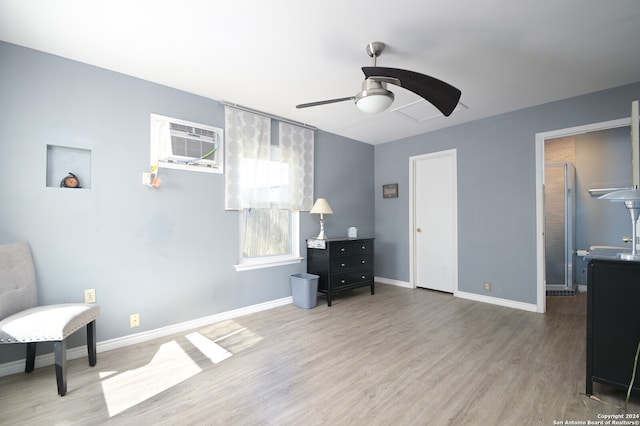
<point>503,55</point>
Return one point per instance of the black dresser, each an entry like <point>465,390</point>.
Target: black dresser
<point>613,323</point>
<point>341,263</point>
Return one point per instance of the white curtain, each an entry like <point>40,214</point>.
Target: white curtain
<point>247,154</point>
<point>249,175</point>
<point>296,150</point>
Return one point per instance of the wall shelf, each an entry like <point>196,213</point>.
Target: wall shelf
<point>62,160</point>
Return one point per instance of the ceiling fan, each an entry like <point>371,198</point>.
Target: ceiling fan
<point>375,97</point>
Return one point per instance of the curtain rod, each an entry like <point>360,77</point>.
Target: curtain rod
<point>275,117</point>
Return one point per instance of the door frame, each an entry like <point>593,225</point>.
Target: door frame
<point>540,140</point>
<point>412,225</point>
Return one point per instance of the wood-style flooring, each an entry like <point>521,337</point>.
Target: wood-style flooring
<point>400,357</point>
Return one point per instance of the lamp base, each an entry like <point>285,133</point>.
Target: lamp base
<point>321,235</point>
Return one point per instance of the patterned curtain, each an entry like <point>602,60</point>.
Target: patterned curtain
<point>247,154</point>
<point>296,149</point>
<point>247,158</point>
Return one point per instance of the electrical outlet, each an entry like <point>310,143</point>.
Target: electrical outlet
<point>487,285</point>
<point>90,295</point>
<point>146,178</point>
<point>134,320</point>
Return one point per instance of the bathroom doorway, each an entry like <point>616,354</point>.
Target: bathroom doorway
<point>592,219</point>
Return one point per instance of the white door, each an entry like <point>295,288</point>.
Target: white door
<point>435,221</point>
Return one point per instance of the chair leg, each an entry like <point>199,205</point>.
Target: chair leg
<point>31,357</point>
<point>60,352</point>
<point>91,342</point>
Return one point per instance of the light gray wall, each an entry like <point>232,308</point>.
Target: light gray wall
<point>165,253</point>
<point>496,191</point>
<point>603,160</point>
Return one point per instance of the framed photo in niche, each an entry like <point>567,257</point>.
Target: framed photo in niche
<point>390,190</point>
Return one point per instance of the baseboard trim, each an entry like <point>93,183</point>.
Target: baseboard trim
<point>15,367</point>
<point>389,281</point>
<point>497,301</point>
<point>470,296</point>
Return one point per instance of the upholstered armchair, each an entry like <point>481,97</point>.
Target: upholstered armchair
<point>23,322</point>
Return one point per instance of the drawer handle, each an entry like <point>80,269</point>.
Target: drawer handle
<point>363,247</point>
<point>342,249</point>
<point>363,261</point>
<point>343,265</point>
<point>363,277</point>
<point>342,281</point>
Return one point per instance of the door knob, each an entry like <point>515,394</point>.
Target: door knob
<point>419,229</point>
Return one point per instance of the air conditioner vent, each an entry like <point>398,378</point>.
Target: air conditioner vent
<point>189,146</point>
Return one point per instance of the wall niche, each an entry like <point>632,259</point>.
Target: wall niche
<point>62,160</point>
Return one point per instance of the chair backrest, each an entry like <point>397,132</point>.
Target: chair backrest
<point>17,279</point>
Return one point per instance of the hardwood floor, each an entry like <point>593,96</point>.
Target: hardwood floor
<point>401,357</point>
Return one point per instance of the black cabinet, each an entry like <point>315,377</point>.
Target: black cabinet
<point>341,263</point>
<point>613,322</point>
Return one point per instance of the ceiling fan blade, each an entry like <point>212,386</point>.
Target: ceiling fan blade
<point>328,101</point>
<point>442,95</point>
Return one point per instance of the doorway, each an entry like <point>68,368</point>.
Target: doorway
<point>434,221</point>
<point>541,138</point>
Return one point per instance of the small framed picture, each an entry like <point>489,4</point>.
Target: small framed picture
<point>390,190</point>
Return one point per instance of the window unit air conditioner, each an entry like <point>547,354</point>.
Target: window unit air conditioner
<point>180,144</point>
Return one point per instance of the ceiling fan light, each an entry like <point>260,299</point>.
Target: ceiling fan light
<point>374,103</point>
<point>374,96</point>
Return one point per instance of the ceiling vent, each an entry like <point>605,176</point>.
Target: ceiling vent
<point>422,110</point>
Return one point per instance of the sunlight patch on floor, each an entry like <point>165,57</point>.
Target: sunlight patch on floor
<point>169,366</point>
<point>211,350</point>
<point>231,335</point>
<point>172,365</point>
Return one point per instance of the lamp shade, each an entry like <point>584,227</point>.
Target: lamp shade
<point>321,206</point>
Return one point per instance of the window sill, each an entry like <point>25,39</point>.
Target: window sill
<point>267,264</point>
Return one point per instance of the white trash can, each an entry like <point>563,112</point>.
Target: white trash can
<point>304,289</point>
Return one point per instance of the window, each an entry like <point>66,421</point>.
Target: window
<point>269,236</point>
<point>266,232</point>
<point>269,184</point>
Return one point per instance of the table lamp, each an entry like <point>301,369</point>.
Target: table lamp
<point>321,207</point>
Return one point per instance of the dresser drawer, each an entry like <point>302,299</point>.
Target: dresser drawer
<point>342,248</point>
<point>345,263</point>
<point>363,247</point>
<point>350,278</point>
